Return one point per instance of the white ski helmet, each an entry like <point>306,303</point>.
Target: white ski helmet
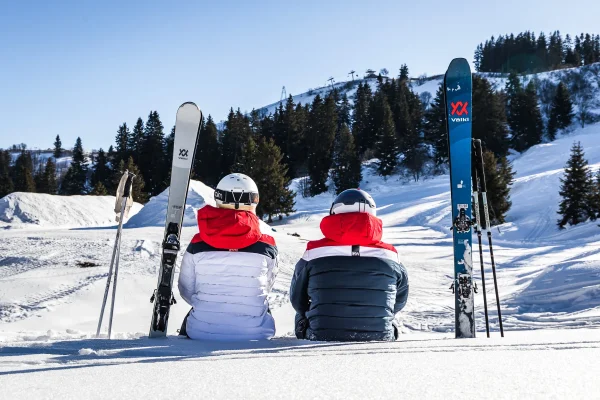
<point>237,191</point>
<point>353,200</point>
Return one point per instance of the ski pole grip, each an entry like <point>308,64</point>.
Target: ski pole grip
<point>479,158</point>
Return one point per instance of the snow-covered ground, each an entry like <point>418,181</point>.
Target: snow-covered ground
<point>549,281</point>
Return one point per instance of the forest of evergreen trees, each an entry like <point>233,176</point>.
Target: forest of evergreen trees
<point>525,53</point>
<point>324,141</point>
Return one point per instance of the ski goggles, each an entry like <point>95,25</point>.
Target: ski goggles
<point>248,198</point>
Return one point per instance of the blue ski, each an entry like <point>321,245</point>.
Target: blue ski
<point>458,87</point>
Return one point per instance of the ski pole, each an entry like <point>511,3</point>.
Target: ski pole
<point>478,228</point>
<point>115,257</point>
<point>112,304</point>
<point>479,156</point>
<point>126,193</point>
<point>110,272</point>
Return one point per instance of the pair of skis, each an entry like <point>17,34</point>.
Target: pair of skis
<point>465,176</point>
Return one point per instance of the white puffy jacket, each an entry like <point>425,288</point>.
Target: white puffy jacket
<point>226,275</point>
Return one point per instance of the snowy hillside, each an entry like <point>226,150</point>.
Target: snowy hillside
<point>27,210</point>
<point>548,279</point>
<point>40,157</point>
<point>591,74</point>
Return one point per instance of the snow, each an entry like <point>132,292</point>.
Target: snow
<point>26,210</point>
<point>549,283</point>
<point>536,365</point>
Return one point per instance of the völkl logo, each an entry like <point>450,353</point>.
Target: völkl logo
<point>183,154</point>
<point>459,108</point>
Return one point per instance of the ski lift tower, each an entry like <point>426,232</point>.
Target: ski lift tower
<point>331,80</point>
<point>283,94</point>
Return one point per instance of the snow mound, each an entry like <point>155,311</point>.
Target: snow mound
<point>155,211</point>
<point>24,210</point>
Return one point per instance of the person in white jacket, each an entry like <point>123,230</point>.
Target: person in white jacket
<point>229,268</point>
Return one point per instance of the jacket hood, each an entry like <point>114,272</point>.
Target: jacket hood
<point>352,228</point>
<point>227,229</point>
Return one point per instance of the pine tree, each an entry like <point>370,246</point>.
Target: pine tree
<point>408,119</point>
<point>101,171</point>
<point>595,195</point>
<point>434,128</point>
<point>6,183</point>
<point>57,148</point>
<point>152,162</point>
<point>295,151</point>
<point>514,106</point>
<point>299,151</point>
<point>364,139</point>
<point>322,125</point>
<point>49,185</point>
<point>570,58</point>
<point>74,182</point>
<point>499,177</point>
<point>403,73</point>
<point>489,117</point>
<point>23,173</point>
<point>38,179</point>
<point>169,146</point>
<point>344,110</point>
<point>262,160</point>
<point>576,190</point>
<point>99,190</point>
<point>561,113</point>
<point>138,184</point>
<point>136,141</point>
<point>235,136</point>
<point>578,48</point>
<point>208,154</point>
<point>529,126</point>
<point>280,134</point>
<point>387,145</point>
<point>122,143</point>
<point>346,170</point>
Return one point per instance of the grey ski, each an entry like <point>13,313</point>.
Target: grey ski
<point>187,124</point>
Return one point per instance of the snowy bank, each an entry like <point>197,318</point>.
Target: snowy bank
<point>155,211</point>
<point>26,210</point>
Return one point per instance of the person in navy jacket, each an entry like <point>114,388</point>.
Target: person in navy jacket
<point>349,285</point>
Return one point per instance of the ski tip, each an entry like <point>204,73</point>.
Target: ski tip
<point>459,64</point>
<point>191,103</point>
<point>189,111</point>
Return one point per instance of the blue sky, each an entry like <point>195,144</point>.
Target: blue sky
<point>81,68</point>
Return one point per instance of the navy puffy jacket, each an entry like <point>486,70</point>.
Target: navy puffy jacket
<point>349,286</point>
